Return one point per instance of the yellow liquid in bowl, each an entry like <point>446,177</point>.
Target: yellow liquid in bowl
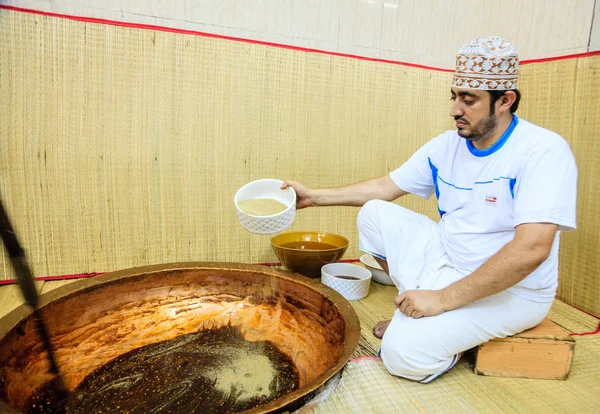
<point>261,206</point>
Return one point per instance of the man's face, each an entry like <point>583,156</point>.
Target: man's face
<point>471,111</point>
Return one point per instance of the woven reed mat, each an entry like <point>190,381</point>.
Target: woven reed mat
<point>366,386</point>
<point>136,141</point>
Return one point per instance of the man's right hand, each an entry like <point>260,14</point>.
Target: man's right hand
<point>382,188</point>
<point>303,194</point>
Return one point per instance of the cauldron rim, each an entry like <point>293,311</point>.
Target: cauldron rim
<point>352,324</point>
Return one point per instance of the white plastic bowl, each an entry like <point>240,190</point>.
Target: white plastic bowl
<point>350,289</point>
<point>379,274</point>
<point>267,188</point>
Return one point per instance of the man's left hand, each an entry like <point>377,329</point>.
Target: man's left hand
<point>419,303</point>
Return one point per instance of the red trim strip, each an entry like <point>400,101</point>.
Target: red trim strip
<point>596,332</point>
<point>269,264</point>
<point>52,278</point>
<point>365,358</point>
<point>551,59</point>
<point>86,275</point>
<point>92,274</point>
<point>259,42</point>
<point>215,36</point>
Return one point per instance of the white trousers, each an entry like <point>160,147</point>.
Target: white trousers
<point>423,349</point>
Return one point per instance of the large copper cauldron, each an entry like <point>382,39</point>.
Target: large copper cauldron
<point>93,321</point>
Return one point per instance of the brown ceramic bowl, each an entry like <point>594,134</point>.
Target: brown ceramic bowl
<point>305,252</point>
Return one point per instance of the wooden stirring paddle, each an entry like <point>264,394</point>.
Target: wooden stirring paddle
<point>27,285</point>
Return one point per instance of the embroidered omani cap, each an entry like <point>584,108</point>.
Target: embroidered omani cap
<point>488,63</point>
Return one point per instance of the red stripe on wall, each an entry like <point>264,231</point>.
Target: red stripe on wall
<point>52,278</point>
<point>365,358</point>
<point>259,42</point>
<point>596,332</point>
<point>215,36</point>
<point>86,275</point>
<point>552,59</point>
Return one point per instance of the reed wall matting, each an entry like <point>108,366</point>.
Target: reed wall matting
<point>124,146</point>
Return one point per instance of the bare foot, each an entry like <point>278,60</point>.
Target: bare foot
<point>379,328</point>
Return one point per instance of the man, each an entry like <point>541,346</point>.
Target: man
<point>505,190</point>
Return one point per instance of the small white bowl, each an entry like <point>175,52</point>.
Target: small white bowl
<point>379,274</point>
<point>267,188</point>
<point>350,289</point>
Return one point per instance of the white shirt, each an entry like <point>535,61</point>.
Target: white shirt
<point>528,176</point>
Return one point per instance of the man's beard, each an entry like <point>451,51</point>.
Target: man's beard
<point>482,129</point>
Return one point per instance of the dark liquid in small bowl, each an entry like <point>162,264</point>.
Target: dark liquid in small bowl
<point>348,277</point>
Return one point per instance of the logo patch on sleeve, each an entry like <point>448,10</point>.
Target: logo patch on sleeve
<point>490,199</point>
